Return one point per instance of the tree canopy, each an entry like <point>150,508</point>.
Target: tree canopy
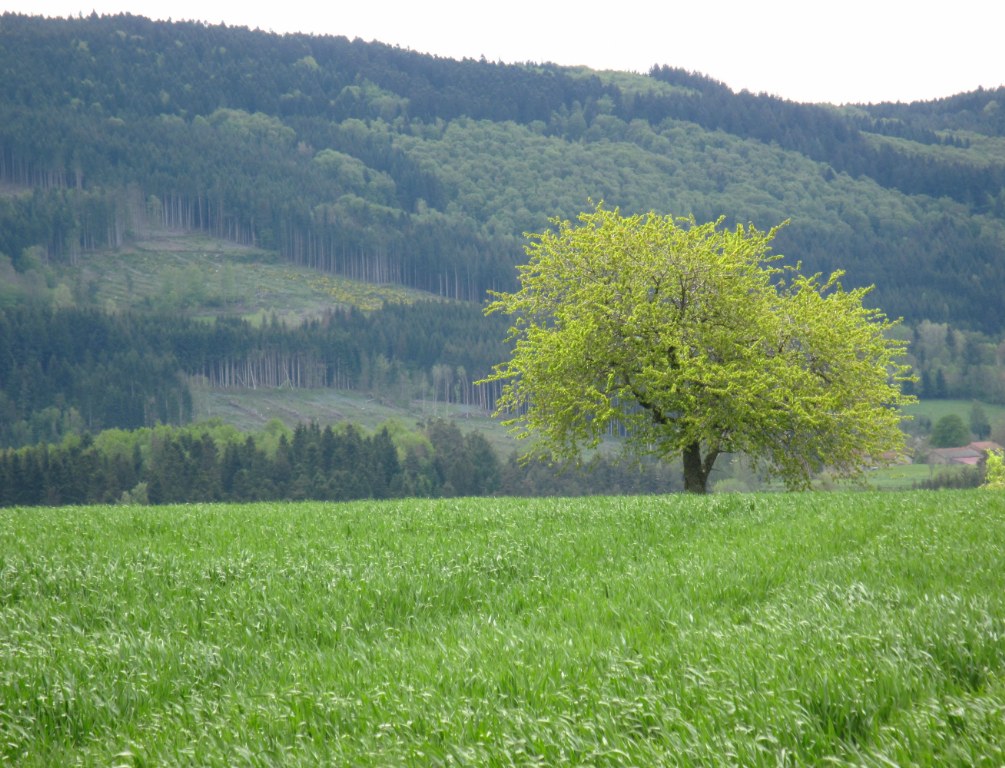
<point>698,341</point>
<point>950,432</point>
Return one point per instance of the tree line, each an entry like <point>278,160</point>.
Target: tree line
<point>74,370</point>
<point>953,363</point>
<point>215,463</point>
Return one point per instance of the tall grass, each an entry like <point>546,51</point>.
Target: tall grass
<point>741,630</point>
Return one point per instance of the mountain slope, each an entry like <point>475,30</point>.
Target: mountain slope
<point>391,166</point>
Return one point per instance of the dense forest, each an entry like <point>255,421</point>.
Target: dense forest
<point>391,167</point>
<point>388,165</point>
<point>74,370</point>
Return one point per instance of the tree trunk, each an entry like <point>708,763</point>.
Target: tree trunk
<point>696,469</point>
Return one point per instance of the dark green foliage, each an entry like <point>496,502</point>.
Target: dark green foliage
<point>71,370</point>
<point>61,221</point>
<point>956,477</point>
<point>212,463</point>
<point>980,425</point>
<point>465,465</point>
<point>829,136</point>
<point>957,364</point>
<point>392,166</point>
<point>950,432</point>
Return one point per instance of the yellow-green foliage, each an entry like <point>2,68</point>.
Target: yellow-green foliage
<point>995,468</point>
<point>365,296</point>
<point>695,340</point>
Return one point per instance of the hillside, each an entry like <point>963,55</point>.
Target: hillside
<point>390,166</point>
<point>191,273</point>
<point>242,209</point>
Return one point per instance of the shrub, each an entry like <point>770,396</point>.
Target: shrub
<point>994,471</point>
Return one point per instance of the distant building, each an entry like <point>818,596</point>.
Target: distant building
<point>972,455</point>
<point>986,446</point>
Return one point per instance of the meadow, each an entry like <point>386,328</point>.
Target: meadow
<point>206,277</point>
<point>785,629</point>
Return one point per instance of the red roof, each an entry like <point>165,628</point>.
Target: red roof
<point>985,445</point>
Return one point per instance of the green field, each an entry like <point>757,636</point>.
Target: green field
<point>205,277</point>
<point>784,629</point>
<point>934,410</point>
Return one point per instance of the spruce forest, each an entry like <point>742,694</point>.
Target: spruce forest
<point>162,184</point>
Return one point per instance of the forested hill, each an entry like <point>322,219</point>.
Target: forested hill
<point>387,165</point>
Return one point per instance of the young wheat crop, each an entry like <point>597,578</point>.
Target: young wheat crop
<point>755,630</point>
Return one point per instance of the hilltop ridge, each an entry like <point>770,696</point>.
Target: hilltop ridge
<point>387,165</point>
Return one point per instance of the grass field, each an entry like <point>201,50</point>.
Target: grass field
<point>206,277</point>
<point>936,409</point>
<point>785,629</point>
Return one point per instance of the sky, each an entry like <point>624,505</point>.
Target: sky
<point>823,51</point>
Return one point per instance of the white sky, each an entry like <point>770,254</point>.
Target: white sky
<point>853,51</point>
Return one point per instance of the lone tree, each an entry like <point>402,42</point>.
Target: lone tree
<point>696,341</point>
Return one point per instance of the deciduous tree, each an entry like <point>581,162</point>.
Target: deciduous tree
<point>950,432</point>
<point>698,342</point>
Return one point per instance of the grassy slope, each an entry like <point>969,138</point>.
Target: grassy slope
<point>250,410</point>
<point>752,630</point>
<point>936,409</point>
<point>206,276</point>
